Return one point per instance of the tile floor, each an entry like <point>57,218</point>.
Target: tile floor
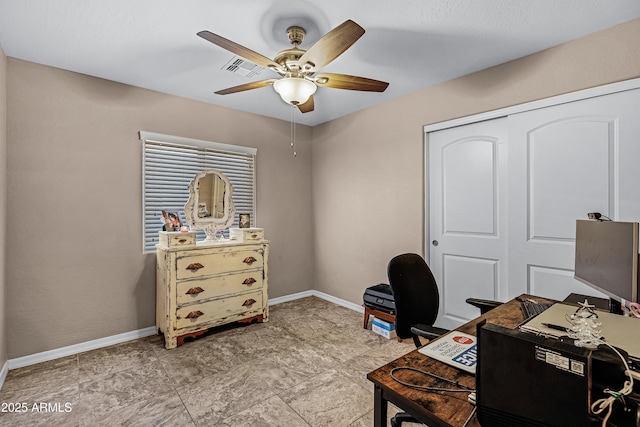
<point>306,367</point>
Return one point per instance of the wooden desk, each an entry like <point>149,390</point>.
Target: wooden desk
<point>436,409</point>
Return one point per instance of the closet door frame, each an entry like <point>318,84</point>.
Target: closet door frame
<point>503,112</point>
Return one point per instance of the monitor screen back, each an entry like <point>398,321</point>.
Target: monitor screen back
<point>607,257</point>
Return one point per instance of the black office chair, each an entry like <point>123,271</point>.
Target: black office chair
<point>417,301</point>
<point>416,297</point>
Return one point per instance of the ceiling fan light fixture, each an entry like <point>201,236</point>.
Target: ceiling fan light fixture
<point>298,68</point>
<point>294,90</point>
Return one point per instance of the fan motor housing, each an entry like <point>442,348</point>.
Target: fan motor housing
<point>289,58</point>
<point>296,35</point>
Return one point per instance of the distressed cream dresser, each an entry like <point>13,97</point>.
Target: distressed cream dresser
<point>206,285</point>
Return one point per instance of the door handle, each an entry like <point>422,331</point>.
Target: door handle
<point>434,243</point>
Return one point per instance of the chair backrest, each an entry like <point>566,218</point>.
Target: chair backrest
<point>415,292</point>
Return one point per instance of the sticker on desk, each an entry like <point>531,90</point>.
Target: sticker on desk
<point>456,349</point>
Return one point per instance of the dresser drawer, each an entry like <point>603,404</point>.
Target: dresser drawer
<point>209,285</point>
<point>199,290</point>
<point>199,265</point>
<point>197,314</point>
<point>246,234</point>
<point>171,239</point>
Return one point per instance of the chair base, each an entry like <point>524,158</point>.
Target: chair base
<point>402,417</point>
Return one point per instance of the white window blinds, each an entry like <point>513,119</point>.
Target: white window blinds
<point>169,165</point>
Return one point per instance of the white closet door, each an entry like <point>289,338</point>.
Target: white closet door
<point>506,225</point>
<point>565,161</point>
<point>467,171</point>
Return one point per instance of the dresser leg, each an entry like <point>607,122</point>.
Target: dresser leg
<point>170,343</point>
<point>259,318</point>
<point>180,339</point>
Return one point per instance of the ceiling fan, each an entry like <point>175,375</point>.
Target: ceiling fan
<point>299,68</point>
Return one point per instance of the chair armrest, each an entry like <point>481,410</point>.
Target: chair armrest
<point>483,304</point>
<point>428,332</point>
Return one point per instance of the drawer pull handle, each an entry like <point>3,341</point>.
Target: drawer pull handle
<point>194,314</point>
<point>194,267</point>
<point>182,241</point>
<point>249,302</point>
<point>195,291</point>
<point>253,236</point>
<point>249,260</point>
<point>249,281</point>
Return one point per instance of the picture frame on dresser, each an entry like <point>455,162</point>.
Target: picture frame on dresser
<point>244,220</point>
<point>172,220</point>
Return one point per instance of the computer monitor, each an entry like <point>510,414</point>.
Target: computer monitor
<point>607,257</point>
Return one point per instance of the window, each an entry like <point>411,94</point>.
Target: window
<point>169,165</point>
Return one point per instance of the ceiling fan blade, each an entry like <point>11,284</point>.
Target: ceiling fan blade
<point>240,50</point>
<point>344,81</point>
<point>331,45</point>
<point>246,86</point>
<point>307,106</point>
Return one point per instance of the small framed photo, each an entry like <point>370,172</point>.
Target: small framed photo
<point>171,221</point>
<point>244,220</point>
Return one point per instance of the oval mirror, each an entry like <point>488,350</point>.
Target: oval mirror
<point>210,207</point>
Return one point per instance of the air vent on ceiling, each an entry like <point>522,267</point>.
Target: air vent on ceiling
<point>242,67</point>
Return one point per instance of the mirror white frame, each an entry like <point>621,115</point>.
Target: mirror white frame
<point>210,223</point>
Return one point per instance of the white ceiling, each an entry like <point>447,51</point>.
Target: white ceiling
<point>411,44</point>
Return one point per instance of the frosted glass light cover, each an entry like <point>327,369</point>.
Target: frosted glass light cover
<point>294,90</point>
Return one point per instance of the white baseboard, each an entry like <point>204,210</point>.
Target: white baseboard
<point>338,301</point>
<point>290,297</point>
<point>45,356</point>
<point>322,295</point>
<point>57,353</point>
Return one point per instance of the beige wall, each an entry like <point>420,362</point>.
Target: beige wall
<point>3,206</point>
<point>368,173</point>
<point>76,271</point>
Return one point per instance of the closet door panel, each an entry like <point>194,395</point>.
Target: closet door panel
<point>467,243</point>
<point>565,161</point>
<point>545,281</point>
<point>569,174</point>
<point>467,276</point>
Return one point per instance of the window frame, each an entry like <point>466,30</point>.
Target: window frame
<point>193,156</point>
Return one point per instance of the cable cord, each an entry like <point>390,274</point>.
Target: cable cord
<point>466,423</point>
<point>606,403</point>
<point>462,388</point>
<point>634,374</point>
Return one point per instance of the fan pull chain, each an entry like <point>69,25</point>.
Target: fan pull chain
<point>293,130</point>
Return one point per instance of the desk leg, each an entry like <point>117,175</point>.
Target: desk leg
<point>379,408</point>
